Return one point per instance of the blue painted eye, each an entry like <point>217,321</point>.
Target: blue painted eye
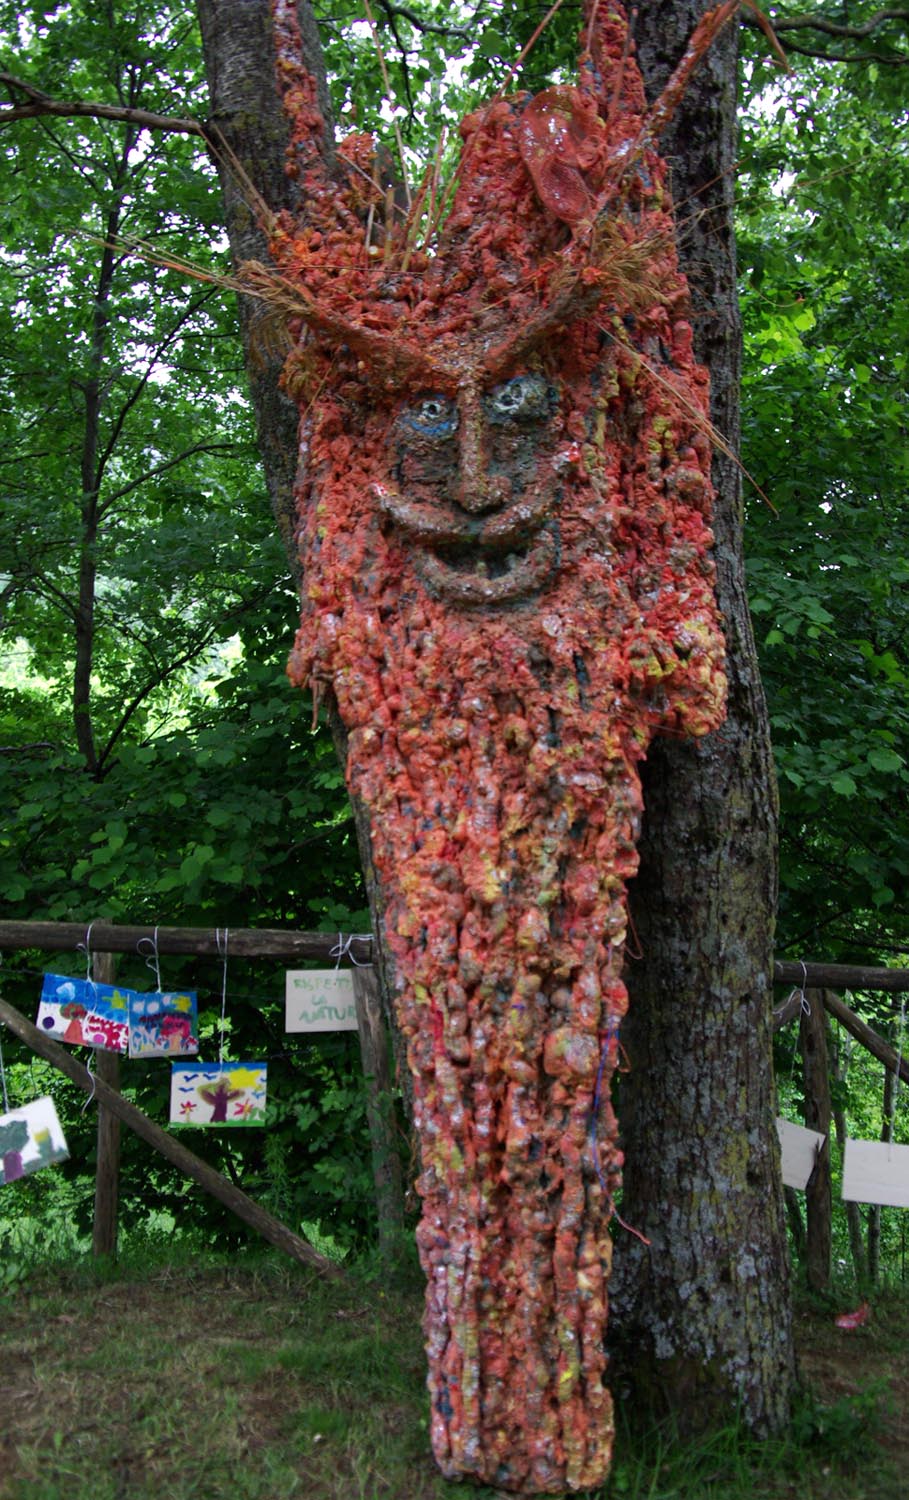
<point>526,398</point>
<point>432,415</point>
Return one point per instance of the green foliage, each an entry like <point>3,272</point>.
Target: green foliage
<point>823,244</point>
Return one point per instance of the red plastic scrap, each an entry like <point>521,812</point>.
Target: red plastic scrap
<point>508,587</point>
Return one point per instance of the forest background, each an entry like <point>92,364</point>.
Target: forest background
<point>156,767</point>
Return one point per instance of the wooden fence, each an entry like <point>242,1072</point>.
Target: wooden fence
<point>817,981</point>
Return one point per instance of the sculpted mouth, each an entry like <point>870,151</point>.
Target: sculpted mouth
<point>492,579</point>
<point>481,559</point>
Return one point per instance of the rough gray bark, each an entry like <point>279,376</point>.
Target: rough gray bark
<point>701,1317</point>
<point>248,132</point>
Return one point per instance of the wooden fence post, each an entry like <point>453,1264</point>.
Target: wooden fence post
<point>107,1170</point>
<point>818,1194</point>
<point>386,1164</point>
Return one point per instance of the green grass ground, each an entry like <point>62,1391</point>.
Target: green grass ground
<point>252,1380</point>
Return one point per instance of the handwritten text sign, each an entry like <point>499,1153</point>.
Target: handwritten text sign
<point>320,1000</point>
<point>876,1172</point>
<point>800,1147</point>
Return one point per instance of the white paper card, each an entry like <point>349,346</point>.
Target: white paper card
<point>320,1000</point>
<point>800,1147</point>
<point>876,1172</point>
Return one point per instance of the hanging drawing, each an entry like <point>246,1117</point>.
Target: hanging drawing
<point>84,1013</point>
<point>319,1000</point>
<point>223,1094</point>
<point>799,1148</point>
<point>30,1138</point>
<point>163,1025</point>
<point>876,1172</point>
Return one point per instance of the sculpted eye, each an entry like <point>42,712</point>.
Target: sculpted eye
<point>433,415</point>
<point>526,398</point>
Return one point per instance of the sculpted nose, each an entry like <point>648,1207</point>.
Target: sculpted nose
<point>476,490</point>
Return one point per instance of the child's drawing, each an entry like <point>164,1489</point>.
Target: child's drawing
<point>84,1013</point>
<point>30,1138</point>
<point>218,1093</point>
<point>163,1025</point>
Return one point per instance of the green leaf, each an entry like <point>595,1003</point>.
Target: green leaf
<point>843,785</point>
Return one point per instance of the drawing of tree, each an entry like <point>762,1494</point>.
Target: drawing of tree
<point>219,1095</point>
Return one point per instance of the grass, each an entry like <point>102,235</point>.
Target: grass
<point>165,1379</point>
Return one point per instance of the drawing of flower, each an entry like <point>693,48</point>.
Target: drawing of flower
<point>187,1107</point>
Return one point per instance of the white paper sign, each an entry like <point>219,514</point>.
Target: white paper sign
<point>320,1000</point>
<point>876,1172</point>
<point>800,1147</point>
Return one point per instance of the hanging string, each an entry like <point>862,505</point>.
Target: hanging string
<point>152,961</point>
<point>223,955</point>
<point>90,1069</point>
<point>804,1010</point>
<point>86,948</point>
<point>343,949</point>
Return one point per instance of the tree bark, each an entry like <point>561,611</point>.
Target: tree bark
<point>386,1163</point>
<point>818,1193</point>
<point>701,1316</point>
<point>853,1212</point>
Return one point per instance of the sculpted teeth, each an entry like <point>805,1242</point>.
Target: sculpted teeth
<point>525,576</point>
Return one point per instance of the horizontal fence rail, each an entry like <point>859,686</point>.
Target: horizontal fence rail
<point>284,943</point>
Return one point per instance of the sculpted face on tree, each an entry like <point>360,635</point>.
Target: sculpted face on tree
<point>504,530</point>
<point>475,489</point>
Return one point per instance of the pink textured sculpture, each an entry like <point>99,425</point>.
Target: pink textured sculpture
<point>504,530</point>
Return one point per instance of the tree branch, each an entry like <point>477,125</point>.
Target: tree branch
<point>162,468</point>
<point>834,28</point>
<point>844,30</point>
<point>39,104</point>
<point>205,639</point>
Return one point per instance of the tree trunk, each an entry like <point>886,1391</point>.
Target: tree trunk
<point>853,1212</point>
<point>818,1194</point>
<point>874,1212</point>
<point>702,1147</point>
<point>701,1317</point>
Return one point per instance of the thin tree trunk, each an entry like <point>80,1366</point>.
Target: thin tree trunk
<point>107,1165</point>
<point>874,1213</point>
<point>818,1194</point>
<point>93,396</point>
<point>701,1316</point>
<point>853,1212</point>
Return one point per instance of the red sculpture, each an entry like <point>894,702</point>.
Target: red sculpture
<point>504,530</point>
